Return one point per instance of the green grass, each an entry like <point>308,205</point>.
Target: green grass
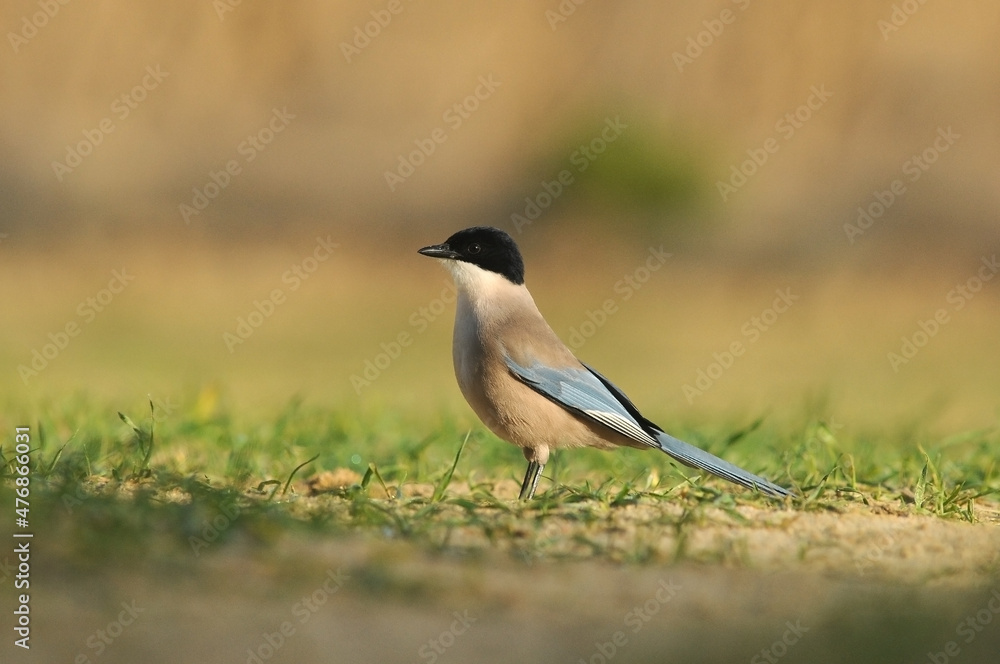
<point>125,484</point>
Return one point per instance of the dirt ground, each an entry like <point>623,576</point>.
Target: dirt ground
<point>865,583</point>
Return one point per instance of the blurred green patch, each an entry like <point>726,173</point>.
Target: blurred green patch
<point>627,165</point>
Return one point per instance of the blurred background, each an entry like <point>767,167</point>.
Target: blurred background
<point>175,177</point>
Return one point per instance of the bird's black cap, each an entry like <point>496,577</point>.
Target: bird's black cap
<point>484,246</point>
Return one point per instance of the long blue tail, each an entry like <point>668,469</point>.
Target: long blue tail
<point>695,457</point>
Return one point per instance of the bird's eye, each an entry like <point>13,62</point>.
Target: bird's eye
<point>474,248</point>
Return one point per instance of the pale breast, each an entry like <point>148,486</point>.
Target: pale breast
<point>486,328</point>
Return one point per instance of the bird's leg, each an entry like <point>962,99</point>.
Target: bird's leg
<point>530,482</point>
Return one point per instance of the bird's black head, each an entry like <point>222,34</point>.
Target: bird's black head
<point>484,246</point>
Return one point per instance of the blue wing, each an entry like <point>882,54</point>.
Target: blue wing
<point>590,394</point>
<point>580,391</point>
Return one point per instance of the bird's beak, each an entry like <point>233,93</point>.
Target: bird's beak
<point>438,251</point>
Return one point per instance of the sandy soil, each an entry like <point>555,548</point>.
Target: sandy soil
<point>862,584</point>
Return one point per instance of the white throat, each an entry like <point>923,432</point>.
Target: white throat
<point>476,283</point>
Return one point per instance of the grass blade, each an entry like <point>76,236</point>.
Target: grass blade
<point>128,420</point>
<point>373,470</point>
<point>292,474</point>
<point>742,433</point>
<point>446,480</point>
<point>147,455</point>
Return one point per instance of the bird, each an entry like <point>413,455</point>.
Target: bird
<point>526,386</point>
